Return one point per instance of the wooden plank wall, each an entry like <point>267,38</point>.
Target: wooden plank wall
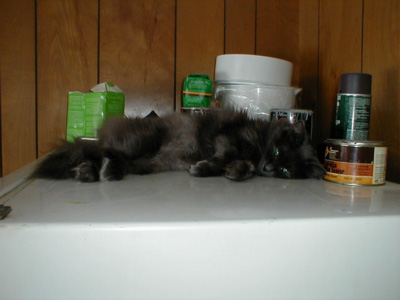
<point>67,39</point>
<point>17,76</point>
<point>381,59</point>
<point>137,52</point>
<point>147,47</point>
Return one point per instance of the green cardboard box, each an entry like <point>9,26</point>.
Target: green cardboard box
<point>87,112</point>
<point>75,115</point>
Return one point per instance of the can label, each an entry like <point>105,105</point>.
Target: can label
<point>195,110</point>
<point>293,116</point>
<point>355,165</point>
<point>352,116</point>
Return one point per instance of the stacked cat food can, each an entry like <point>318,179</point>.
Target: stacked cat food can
<point>196,94</point>
<point>350,158</point>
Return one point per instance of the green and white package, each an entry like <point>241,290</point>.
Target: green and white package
<point>75,115</point>
<point>85,117</point>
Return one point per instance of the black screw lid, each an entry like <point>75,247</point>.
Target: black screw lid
<point>355,83</point>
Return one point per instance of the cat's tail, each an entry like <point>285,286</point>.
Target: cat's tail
<point>80,159</point>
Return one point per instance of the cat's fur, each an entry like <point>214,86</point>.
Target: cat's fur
<point>214,144</point>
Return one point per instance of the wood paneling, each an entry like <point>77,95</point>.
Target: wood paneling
<point>308,57</point>
<point>340,45</point>
<point>200,38</point>
<point>17,62</point>
<point>278,31</point>
<point>240,26</point>
<point>289,30</point>
<point>67,40</point>
<point>148,47</point>
<point>381,58</point>
<point>137,49</point>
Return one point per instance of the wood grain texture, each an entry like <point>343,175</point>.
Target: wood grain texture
<point>340,48</point>
<point>278,31</point>
<point>381,58</point>
<point>289,30</point>
<point>308,57</point>
<point>67,39</point>
<point>308,54</point>
<point>240,26</point>
<point>200,39</point>
<point>149,47</point>
<point>17,53</point>
<point>137,52</point>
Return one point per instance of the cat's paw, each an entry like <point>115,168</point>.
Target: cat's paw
<point>199,169</point>
<point>86,172</point>
<point>204,168</point>
<point>239,170</point>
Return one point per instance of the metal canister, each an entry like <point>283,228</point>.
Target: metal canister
<point>353,106</point>
<point>197,91</point>
<point>355,162</point>
<point>294,115</point>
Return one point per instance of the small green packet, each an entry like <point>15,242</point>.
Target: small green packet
<point>197,90</point>
<point>86,116</point>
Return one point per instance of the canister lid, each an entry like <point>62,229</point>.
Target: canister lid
<point>353,143</point>
<point>355,83</point>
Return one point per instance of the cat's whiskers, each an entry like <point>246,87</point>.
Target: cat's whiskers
<point>103,169</point>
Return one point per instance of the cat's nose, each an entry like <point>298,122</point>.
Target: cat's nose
<point>268,168</point>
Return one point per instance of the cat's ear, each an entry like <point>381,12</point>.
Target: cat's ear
<point>299,130</point>
<point>299,127</point>
<point>315,170</point>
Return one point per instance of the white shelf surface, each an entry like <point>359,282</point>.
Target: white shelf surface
<point>173,236</point>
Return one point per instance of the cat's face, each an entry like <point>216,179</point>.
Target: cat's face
<point>288,153</point>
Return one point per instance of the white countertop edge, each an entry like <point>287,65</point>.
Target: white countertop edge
<point>191,225</point>
<point>14,179</point>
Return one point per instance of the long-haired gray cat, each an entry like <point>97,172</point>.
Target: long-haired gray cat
<point>214,144</point>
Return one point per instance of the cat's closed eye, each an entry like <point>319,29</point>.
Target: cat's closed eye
<point>276,152</point>
<point>285,172</point>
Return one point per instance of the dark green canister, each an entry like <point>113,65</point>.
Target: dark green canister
<point>353,106</point>
<point>197,91</point>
